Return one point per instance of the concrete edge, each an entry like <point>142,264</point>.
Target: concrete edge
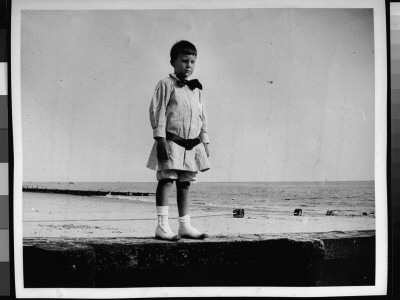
<point>295,259</point>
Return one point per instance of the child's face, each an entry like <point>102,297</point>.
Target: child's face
<point>184,65</point>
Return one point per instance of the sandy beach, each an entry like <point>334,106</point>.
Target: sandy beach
<point>51,215</point>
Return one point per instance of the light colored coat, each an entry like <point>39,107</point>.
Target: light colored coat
<point>181,111</point>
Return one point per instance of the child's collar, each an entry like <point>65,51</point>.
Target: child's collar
<point>192,84</point>
<point>173,75</point>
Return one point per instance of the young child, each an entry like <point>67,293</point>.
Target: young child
<point>179,121</point>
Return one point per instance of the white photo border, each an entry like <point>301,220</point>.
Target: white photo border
<point>381,271</point>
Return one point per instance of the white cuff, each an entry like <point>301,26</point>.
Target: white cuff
<point>184,219</point>
<point>162,210</point>
<point>159,132</point>
<point>204,138</point>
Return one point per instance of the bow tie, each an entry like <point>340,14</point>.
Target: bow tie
<point>192,84</point>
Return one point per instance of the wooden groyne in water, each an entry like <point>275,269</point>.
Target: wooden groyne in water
<point>83,192</point>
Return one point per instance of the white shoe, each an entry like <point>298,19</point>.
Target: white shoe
<point>189,232</point>
<point>165,234</point>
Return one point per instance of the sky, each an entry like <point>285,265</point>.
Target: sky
<point>289,92</point>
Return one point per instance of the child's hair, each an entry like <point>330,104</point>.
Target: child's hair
<point>182,47</point>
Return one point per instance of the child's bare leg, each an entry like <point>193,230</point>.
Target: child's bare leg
<point>163,231</point>
<point>186,230</point>
<point>162,192</point>
<point>182,197</point>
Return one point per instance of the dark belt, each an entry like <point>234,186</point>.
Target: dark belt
<point>188,144</point>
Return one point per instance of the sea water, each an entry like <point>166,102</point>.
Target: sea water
<point>350,198</point>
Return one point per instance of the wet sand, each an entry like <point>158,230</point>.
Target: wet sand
<point>54,215</point>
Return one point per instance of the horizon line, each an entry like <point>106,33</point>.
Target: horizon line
<point>279,181</point>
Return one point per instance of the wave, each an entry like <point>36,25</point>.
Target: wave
<point>129,198</point>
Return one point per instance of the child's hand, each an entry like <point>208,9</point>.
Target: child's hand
<point>162,149</point>
<point>207,150</point>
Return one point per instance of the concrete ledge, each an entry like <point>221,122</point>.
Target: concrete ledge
<point>314,259</point>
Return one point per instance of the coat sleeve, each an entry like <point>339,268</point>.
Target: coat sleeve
<point>204,127</point>
<point>158,107</point>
